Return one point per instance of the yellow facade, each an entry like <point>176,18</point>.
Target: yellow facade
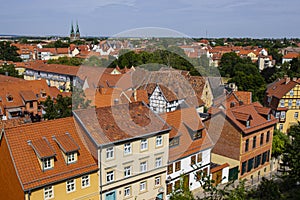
<point>80,193</point>
<point>134,160</point>
<point>292,102</point>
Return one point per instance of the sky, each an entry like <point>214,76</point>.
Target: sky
<point>193,18</point>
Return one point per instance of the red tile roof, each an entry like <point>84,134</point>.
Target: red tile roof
<point>26,162</point>
<point>66,143</point>
<point>54,68</point>
<point>187,146</point>
<point>281,87</point>
<point>42,147</point>
<point>28,95</point>
<point>291,55</point>
<point>120,122</point>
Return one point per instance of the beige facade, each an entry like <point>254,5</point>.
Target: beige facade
<point>140,174</point>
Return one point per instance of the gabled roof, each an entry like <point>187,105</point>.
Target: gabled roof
<point>120,122</point>
<point>26,161</point>
<point>281,87</point>
<point>180,121</point>
<point>240,114</point>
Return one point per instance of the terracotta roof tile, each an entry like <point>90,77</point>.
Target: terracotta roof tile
<point>187,146</point>
<point>42,147</point>
<point>120,122</point>
<point>28,95</point>
<point>66,143</point>
<point>26,162</point>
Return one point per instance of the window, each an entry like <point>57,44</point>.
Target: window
<point>177,185</point>
<point>277,115</point>
<point>296,115</point>
<point>290,102</point>
<point>282,103</point>
<point>247,123</point>
<point>127,171</point>
<point>247,145</point>
<point>143,186</point>
<point>143,166</point>
<point>47,163</point>
<point>159,141</point>
<point>298,102</point>
<point>127,148</point>
<point>71,186</point>
<point>85,181</point>
<point>174,142</point>
<point>199,157</point>
<point>127,191</point>
<point>244,167</point>
<point>197,134</point>
<point>193,159</point>
<point>158,162</point>
<point>30,104</point>
<point>268,137</point>
<point>250,164</point>
<point>264,158</point>
<point>177,166</point>
<point>169,188</point>
<point>71,157</point>
<point>48,192</point>
<point>257,161</point>
<point>144,144</point>
<point>110,153</point>
<point>254,142</point>
<point>292,93</point>
<point>157,181</point>
<point>261,139</point>
<point>9,98</point>
<point>170,168</point>
<point>282,115</point>
<point>280,127</point>
<point>110,176</point>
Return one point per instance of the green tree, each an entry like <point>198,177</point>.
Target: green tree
<point>8,52</point>
<point>66,61</point>
<point>78,99</point>
<point>267,189</point>
<point>278,144</point>
<point>10,70</point>
<point>292,153</point>
<point>61,107</point>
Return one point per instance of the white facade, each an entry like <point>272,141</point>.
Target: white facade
<point>186,169</point>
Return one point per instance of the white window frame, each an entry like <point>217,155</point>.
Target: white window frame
<point>144,144</point>
<point>127,149</point>
<point>143,166</point>
<point>157,181</point>
<point>290,102</point>
<point>110,153</point>
<point>159,141</point>
<point>298,102</point>
<point>110,176</point>
<point>127,191</point>
<point>85,181</point>
<point>71,157</point>
<point>158,162</point>
<point>127,171</point>
<point>48,192</point>
<point>143,186</point>
<point>292,93</point>
<point>282,103</point>
<point>70,185</point>
<point>47,164</point>
<point>282,115</point>
<point>277,115</point>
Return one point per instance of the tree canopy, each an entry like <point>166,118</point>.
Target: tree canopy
<point>8,52</point>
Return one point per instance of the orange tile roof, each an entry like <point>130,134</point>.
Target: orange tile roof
<point>11,79</point>
<point>280,87</point>
<point>26,161</point>
<point>66,143</point>
<point>54,68</point>
<point>28,95</point>
<point>291,55</point>
<point>42,147</point>
<point>249,112</point>
<point>120,122</point>
<point>179,120</point>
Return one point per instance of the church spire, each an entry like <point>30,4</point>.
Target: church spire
<point>72,29</point>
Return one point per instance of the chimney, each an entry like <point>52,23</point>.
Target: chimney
<point>294,78</point>
<point>287,80</point>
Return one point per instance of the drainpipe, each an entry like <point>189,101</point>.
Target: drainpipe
<point>100,168</point>
<point>28,195</point>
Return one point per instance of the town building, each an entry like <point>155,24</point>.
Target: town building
<point>189,151</point>
<point>46,160</point>
<point>130,144</point>
<point>283,97</point>
<point>243,138</point>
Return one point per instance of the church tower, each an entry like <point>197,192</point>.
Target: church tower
<point>77,36</point>
<point>72,33</point>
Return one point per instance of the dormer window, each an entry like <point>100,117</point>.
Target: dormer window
<point>197,134</point>
<point>43,94</point>
<point>248,123</point>
<point>68,146</point>
<point>174,142</point>
<point>47,164</point>
<point>292,93</point>
<point>9,98</point>
<point>269,117</point>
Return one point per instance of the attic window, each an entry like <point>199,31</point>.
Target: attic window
<point>43,94</point>
<point>248,123</point>
<point>268,117</point>
<point>47,164</point>
<point>71,157</point>
<point>197,134</point>
<point>292,93</point>
<point>9,98</point>
<point>174,142</point>
<point>232,104</point>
